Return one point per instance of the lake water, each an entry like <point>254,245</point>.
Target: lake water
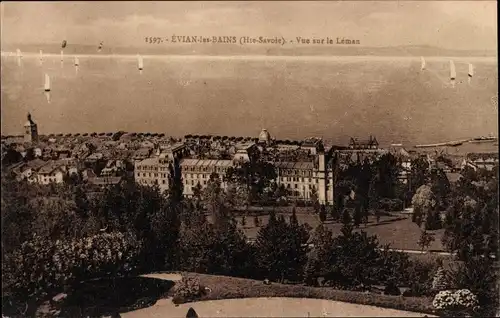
<point>293,97</point>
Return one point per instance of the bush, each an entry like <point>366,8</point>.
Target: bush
<point>460,301</point>
<point>391,205</point>
<point>392,289</point>
<point>41,266</point>
<point>440,281</point>
<point>187,289</point>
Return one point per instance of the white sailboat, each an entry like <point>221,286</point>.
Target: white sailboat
<point>41,57</point>
<point>19,56</point>
<point>47,88</point>
<point>453,73</point>
<point>422,63</point>
<point>47,83</point>
<point>140,63</point>
<point>77,61</point>
<point>471,72</point>
<point>62,56</point>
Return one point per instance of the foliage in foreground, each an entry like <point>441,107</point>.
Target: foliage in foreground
<point>40,266</point>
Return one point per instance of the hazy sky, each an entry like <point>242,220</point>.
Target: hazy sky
<point>447,24</point>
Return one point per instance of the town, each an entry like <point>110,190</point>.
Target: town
<point>302,167</point>
<point>149,203</point>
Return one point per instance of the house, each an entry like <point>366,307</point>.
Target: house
<point>51,173</point>
<point>105,181</point>
<point>197,171</point>
<point>37,152</point>
<point>113,168</point>
<point>94,157</point>
<point>244,151</point>
<point>142,153</point>
<point>356,143</point>
<point>481,161</point>
<point>88,174</point>
<point>311,145</point>
<point>147,144</point>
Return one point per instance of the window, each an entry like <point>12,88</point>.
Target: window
<point>163,181</point>
<point>296,186</point>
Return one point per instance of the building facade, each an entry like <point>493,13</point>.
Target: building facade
<point>301,178</point>
<point>157,170</point>
<point>197,171</point>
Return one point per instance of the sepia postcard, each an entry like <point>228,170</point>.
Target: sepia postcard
<point>249,159</point>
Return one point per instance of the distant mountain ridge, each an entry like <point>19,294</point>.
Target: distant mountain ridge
<point>253,49</point>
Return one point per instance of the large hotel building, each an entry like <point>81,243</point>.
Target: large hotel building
<point>300,178</point>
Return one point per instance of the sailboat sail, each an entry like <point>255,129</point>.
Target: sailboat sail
<point>77,61</point>
<point>18,52</point>
<point>423,63</point>
<point>471,70</point>
<point>47,83</point>
<point>62,55</point>
<point>453,73</point>
<point>140,62</point>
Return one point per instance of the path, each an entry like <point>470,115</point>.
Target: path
<point>268,307</point>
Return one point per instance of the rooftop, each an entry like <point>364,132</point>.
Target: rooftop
<point>206,163</point>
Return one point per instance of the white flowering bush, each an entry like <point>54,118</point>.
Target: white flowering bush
<point>41,265</point>
<point>459,300</point>
<point>466,299</point>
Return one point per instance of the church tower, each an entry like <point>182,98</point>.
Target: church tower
<point>30,130</point>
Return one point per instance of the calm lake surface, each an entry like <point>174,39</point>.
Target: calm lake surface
<point>331,97</point>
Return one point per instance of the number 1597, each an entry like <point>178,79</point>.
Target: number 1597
<point>153,40</point>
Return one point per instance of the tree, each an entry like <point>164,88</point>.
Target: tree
<point>321,257</point>
<point>425,207</point>
<point>281,248</point>
<point>214,198</point>
<point>425,239</point>
<point>243,222</point>
<point>314,200</point>
<point>42,266</point>
<point>419,174</point>
<point>215,249</point>
<point>357,260</point>
<point>256,174</point>
<point>387,170</point>
<point>480,276</point>
<point>440,280</point>
<point>322,214</point>
<point>440,186</point>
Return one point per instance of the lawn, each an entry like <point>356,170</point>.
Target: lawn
<point>223,287</point>
<point>397,230</point>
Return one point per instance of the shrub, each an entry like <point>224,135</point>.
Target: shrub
<point>460,301</point>
<point>187,289</point>
<point>440,281</point>
<point>392,289</point>
<point>40,266</point>
<point>390,204</point>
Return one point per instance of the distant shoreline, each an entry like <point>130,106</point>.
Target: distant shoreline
<point>465,59</point>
